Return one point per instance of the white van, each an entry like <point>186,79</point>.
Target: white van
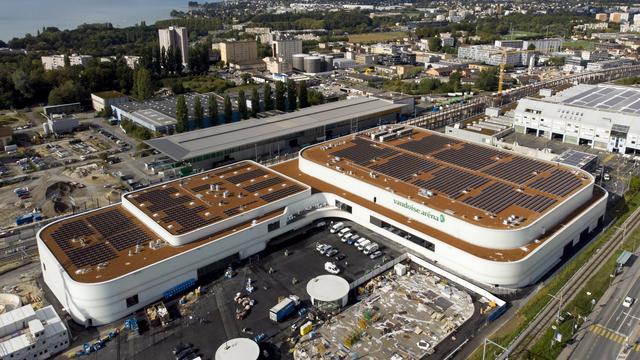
<point>363,244</point>
<point>371,248</point>
<point>344,231</point>
<point>357,242</point>
<point>336,227</point>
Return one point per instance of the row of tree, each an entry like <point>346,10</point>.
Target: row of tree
<point>288,97</point>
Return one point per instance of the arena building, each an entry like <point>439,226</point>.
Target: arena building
<point>492,216</point>
<point>600,116</point>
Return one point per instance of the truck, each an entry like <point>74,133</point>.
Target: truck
<point>28,218</point>
<point>284,308</point>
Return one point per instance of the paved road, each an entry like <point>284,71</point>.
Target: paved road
<point>611,325</point>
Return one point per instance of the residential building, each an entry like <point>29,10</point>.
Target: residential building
<point>176,37</point>
<point>26,333</point>
<point>53,62</point>
<point>239,52</point>
<point>545,46</point>
<point>602,17</point>
<point>493,55</point>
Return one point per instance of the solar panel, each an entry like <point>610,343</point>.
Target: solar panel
<point>518,170</point>
<point>110,222</point>
<point>69,230</point>
<point>91,255</point>
<point>363,151</point>
<point>129,239</point>
<point>404,166</point>
<point>451,182</point>
<point>427,144</point>
<point>161,198</point>
<point>189,218</point>
<point>470,156</point>
<point>251,174</point>
<point>498,196</point>
<point>264,184</point>
<point>560,182</point>
<point>281,193</point>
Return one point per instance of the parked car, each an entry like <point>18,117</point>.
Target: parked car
<point>336,227</point>
<point>344,231</point>
<point>340,257</point>
<point>346,236</point>
<point>353,239</point>
<point>423,345</point>
<point>362,244</point>
<point>331,252</point>
<point>320,246</point>
<point>331,268</point>
<point>371,248</point>
<point>375,255</point>
<point>325,249</point>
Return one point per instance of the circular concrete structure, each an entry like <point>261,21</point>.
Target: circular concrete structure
<point>298,61</point>
<point>9,302</point>
<point>328,290</point>
<point>238,348</point>
<point>313,64</point>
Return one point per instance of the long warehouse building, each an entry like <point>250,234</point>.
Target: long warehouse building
<point>259,139</point>
<point>490,215</point>
<point>605,117</point>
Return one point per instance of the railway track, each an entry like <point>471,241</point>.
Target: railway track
<point>545,318</point>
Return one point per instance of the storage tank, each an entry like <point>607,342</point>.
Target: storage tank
<point>298,61</point>
<point>312,64</point>
<point>238,348</point>
<point>328,63</point>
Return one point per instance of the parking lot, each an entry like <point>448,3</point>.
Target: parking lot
<point>211,319</point>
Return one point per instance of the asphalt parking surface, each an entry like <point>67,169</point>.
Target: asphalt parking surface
<point>211,319</point>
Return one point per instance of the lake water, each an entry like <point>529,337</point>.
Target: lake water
<point>18,17</point>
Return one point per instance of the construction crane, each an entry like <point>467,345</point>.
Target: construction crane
<point>501,72</point>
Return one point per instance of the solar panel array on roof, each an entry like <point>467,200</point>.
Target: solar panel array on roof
<point>264,184</point>
<point>519,170</point>
<point>109,222</point>
<point>161,198</point>
<point>498,196</point>
<point>404,166</point>
<point>281,193</point>
<point>189,218</point>
<point>608,98</point>
<point>91,255</point>
<point>129,238</point>
<point>70,230</point>
<point>470,156</point>
<point>560,182</point>
<point>427,144</point>
<point>451,182</point>
<point>251,174</point>
<point>364,151</point>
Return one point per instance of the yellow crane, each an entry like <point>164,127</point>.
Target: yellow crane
<point>501,72</point>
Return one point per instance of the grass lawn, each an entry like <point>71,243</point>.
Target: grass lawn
<point>580,45</point>
<point>521,34</point>
<point>377,36</point>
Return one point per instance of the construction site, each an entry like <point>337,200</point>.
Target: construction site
<point>402,314</point>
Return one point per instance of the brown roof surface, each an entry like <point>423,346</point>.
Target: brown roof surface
<point>291,169</point>
<point>107,236</point>
<point>470,181</point>
<point>187,204</point>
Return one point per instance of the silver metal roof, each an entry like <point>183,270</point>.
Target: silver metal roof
<point>604,97</point>
<point>218,138</point>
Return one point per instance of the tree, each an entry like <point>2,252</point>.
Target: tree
<point>292,100</point>
<point>182,115</point>
<point>434,44</point>
<point>68,92</point>
<point>178,61</point>
<point>255,102</point>
<point>242,104</point>
<point>213,110</point>
<point>157,60</point>
<point>107,112</point>
<point>198,115</point>
<point>246,78</point>
<point>163,60</point>
<point>268,99</point>
<point>67,61</point>
<point>315,97</point>
<point>455,81</point>
<point>280,100</point>
<point>228,110</point>
<point>487,80</point>
<point>142,85</point>
<point>303,96</point>
<point>171,59</point>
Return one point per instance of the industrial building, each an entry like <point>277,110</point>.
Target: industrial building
<point>176,38</point>
<point>59,124</point>
<point>241,55</point>
<point>160,115</point>
<point>267,138</point>
<point>492,216</point>
<point>26,333</point>
<point>285,49</point>
<point>103,99</point>
<point>602,116</point>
